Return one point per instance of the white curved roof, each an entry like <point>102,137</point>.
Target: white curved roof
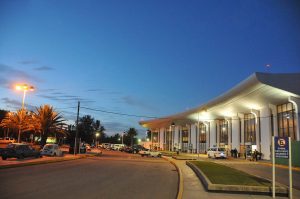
<point>255,92</point>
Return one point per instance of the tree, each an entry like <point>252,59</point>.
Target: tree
<point>88,127</point>
<point>48,120</point>
<point>131,133</point>
<point>3,114</point>
<point>19,120</point>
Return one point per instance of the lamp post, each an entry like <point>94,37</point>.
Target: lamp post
<point>172,135</point>
<point>97,135</point>
<point>24,88</point>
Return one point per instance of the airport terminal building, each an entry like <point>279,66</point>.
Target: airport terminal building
<point>244,118</point>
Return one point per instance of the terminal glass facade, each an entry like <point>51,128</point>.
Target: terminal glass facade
<point>202,137</point>
<point>286,120</point>
<point>250,128</point>
<point>223,131</point>
<point>185,139</point>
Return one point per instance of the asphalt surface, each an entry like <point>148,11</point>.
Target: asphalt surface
<point>114,175</point>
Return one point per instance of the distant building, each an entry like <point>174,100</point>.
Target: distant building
<point>245,118</point>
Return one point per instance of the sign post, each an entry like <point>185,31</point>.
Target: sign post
<point>283,150</point>
<point>273,168</point>
<point>290,170</point>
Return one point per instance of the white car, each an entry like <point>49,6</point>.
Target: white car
<point>150,153</point>
<point>51,150</point>
<point>7,140</point>
<point>216,152</point>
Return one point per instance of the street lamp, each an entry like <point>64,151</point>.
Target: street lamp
<point>123,137</point>
<point>24,88</point>
<point>97,135</point>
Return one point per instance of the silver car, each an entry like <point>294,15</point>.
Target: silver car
<point>51,150</point>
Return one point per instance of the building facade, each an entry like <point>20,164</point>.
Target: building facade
<point>244,118</point>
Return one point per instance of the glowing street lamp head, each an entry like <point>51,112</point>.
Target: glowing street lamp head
<point>24,87</point>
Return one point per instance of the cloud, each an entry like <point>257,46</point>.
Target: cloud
<point>15,104</point>
<point>137,103</point>
<point>43,68</point>
<point>94,89</point>
<point>103,91</point>
<point>114,127</point>
<point>28,62</point>
<point>61,97</point>
<point>10,74</point>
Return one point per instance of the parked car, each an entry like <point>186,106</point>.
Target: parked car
<point>7,140</point>
<point>51,150</point>
<point>150,153</point>
<point>118,147</point>
<point>127,149</point>
<point>20,151</point>
<point>88,147</point>
<point>137,148</point>
<point>216,152</point>
<point>105,145</point>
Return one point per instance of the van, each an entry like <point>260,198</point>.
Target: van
<point>106,145</point>
<point>118,147</point>
<point>216,152</point>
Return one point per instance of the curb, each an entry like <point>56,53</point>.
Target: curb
<point>183,158</point>
<point>180,183</point>
<point>42,162</point>
<point>209,186</point>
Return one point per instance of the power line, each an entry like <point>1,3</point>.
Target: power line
<point>118,113</point>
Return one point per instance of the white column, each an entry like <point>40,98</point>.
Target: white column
<point>212,133</point>
<point>207,134</point>
<point>275,121</point>
<point>257,127</point>
<point>218,132</point>
<point>193,136</point>
<point>235,133</point>
<point>229,130</point>
<point>176,131</point>
<point>266,134</point>
<point>180,137</point>
<point>161,138</point>
<point>296,102</point>
<point>242,116</point>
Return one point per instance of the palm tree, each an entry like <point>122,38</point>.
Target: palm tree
<point>131,133</point>
<point>19,120</point>
<point>48,120</point>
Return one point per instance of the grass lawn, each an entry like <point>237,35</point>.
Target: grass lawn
<point>221,174</point>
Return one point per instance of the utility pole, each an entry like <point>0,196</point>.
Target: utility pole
<point>75,145</point>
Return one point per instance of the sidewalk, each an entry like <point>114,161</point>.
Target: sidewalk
<point>189,156</point>
<point>192,187</point>
<point>14,162</point>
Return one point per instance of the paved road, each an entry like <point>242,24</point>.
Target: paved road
<point>114,175</point>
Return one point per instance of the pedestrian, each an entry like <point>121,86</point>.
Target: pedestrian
<point>235,152</point>
<point>231,152</point>
<point>255,154</point>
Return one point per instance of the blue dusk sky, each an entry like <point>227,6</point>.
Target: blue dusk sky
<point>145,58</point>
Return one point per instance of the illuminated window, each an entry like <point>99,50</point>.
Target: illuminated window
<point>250,128</point>
<point>286,120</point>
<point>155,136</point>
<point>223,131</point>
<point>202,133</point>
<point>185,135</point>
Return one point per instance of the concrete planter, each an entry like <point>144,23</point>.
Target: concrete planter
<point>209,186</point>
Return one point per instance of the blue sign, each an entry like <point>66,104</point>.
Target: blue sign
<point>281,147</point>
